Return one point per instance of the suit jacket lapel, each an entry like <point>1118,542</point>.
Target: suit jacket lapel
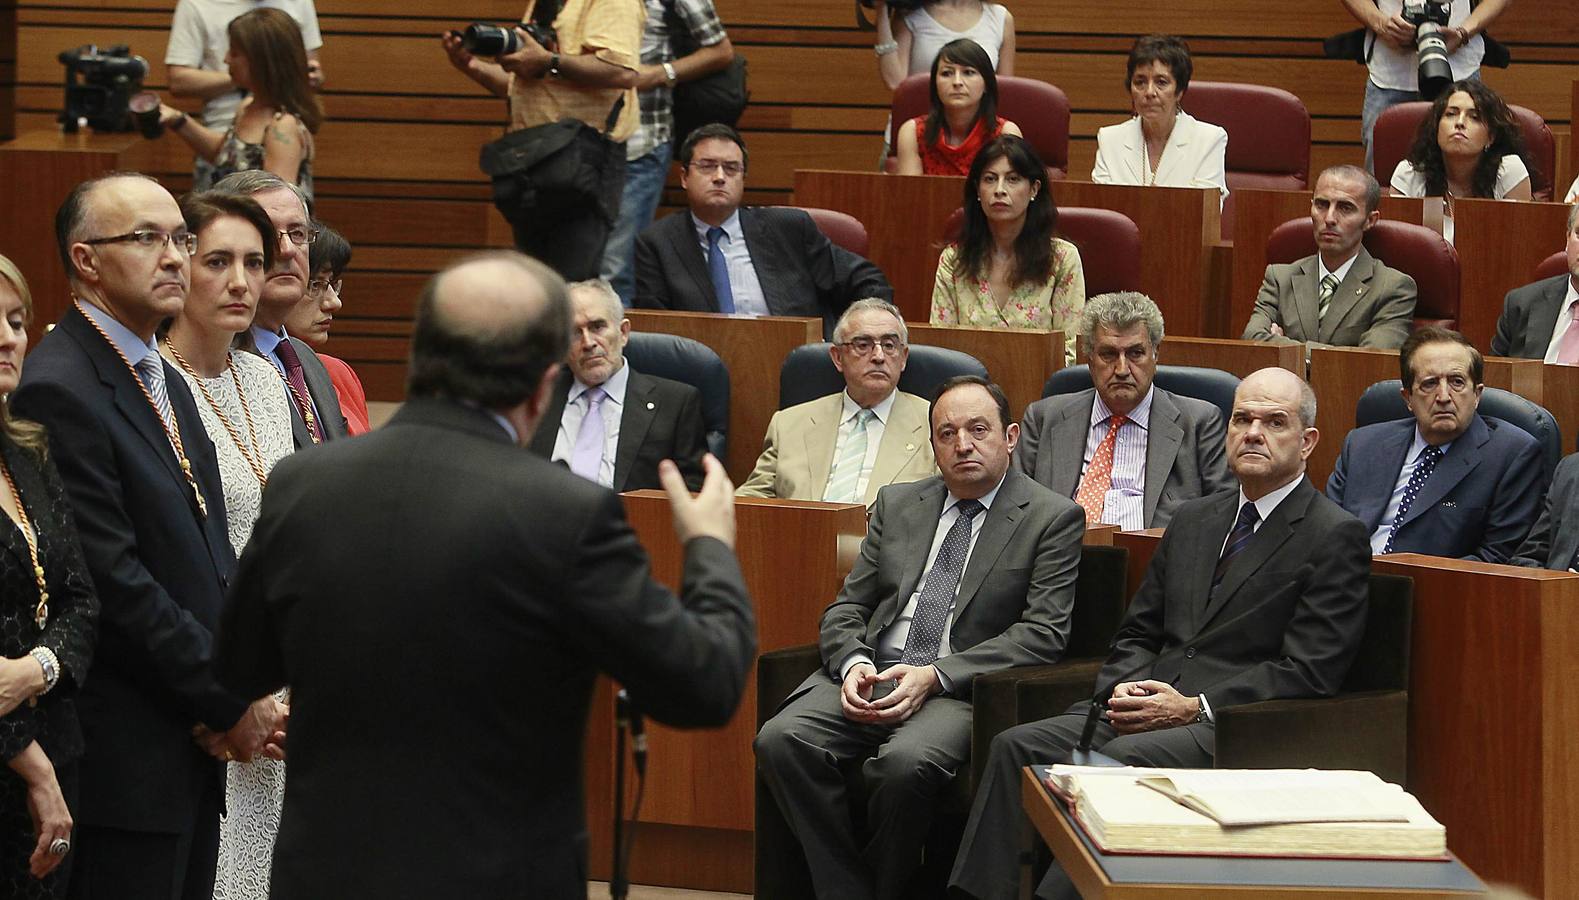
<point>821,435</point>
<point>1066,442</point>
<point>902,439</point>
<point>331,419</point>
<point>1163,438</point>
<point>29,487</point>
<point>759,243</point>
<point>1135,152</point>
<point>547,432</point>
<point>1002,520</point>
<point>635,420</point>
<point>1452,468</point>
<point>1174,150</point>
<point>1349,293</point>
<point>691,255</point>
<point>918,525</point>
<point>1196,588</point>
<point>1543,316</point>
<point>1269,538</point>
<point>1306,306</point>
<point>1370,488</point>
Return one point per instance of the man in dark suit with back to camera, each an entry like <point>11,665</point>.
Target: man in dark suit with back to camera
<point>442,673</point>
<point>1537,319</point>
<point>1447,481</point>
<point>960,574</point>
<point>719,256</point>
<point>1128,452</point>
<point>1340,296</point>
<point>1255,593</point>
<point>642,420</point>
<point>143,482</point>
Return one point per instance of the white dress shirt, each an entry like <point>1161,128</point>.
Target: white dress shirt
<point>1124,504</point>
<point>613,409</point>
<point>743,282</point>
<point>874,435</point>
<point>1411,460</point>
<point>1565,317</point>
<point>1340,273</point>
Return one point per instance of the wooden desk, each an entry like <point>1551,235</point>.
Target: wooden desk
<point>39,169</point>
<point>1560,396</point>
<point>904,216</point>
<point>1499,244</point>
<point>1019,361</point>
<point>697,816</point>
<point>1099,535</point>
<point>1256,214</point>
<point>1086,867</point>
<point>1339,375</point>
<point>753,349</point>
<point>1233,356</point>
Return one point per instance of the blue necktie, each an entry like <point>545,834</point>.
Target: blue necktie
<point>1244,530</point>
<point>1424,466</point>
<point>926,623</point>
<point>718,270</point>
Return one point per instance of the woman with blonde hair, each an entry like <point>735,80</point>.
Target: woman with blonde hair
<point>274,126</point>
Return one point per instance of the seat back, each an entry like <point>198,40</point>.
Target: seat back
<point>688,362</point>
<point>1415,250</point>
<point>1108,241</point>
<point>1551,266</point>
<point>1040,109</point>
<point>1397,125</point>
<point>1268,136</point>
<point>1213,386</point>
<point>1382,662</point>
<point>1382,402</point>
<point>843,229</point>
<point>808,372</point>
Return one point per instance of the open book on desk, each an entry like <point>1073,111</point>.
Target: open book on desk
<point>1312,813</point>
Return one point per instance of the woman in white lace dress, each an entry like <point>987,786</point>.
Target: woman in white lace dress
<point>241,400</point>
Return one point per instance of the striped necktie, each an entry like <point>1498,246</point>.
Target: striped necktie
<point>151,370</point>
<point>1244,530</point>
<point>1324,292</point>
<point>844,481</point>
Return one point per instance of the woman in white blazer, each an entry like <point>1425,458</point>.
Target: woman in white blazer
<point>1162,144</point>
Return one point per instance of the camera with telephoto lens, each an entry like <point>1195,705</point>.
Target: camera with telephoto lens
<point>99,87</point>
<point>1429,17</point>
<point>482,39</point>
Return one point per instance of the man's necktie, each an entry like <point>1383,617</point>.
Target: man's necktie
<point>1428,460</point>
<point>299,394</point>
<point>1244,530</point>
<point>1324,292</point>
<point>1098,480</point>
<point>1568,346</point>
<point>845,479</point>
<point>587,457</point>
<point>718,271</point>
<point>926,625</point>
<point>151,370</point>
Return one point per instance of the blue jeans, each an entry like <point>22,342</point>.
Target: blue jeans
<point>644,180</point>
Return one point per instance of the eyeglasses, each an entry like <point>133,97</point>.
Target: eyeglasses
<point>147,239</point>
<point>317,286</point>
<point>301,235</point>
<point>863,345</point>
<point>706,166</point>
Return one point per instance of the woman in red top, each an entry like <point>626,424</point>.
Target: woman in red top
<point>310,321</point>
<point>964,114</point>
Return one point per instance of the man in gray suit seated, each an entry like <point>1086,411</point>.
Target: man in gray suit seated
<point>960,574</point>
<point>1128,452</point>
<point>1537,319</point>
<point>1340,296</point>
<point>1554,541</point>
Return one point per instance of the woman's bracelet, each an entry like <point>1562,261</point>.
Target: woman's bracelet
<point>49,663</point>
<point>885,48</point>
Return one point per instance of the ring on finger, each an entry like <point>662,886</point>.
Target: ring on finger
<point>59,846</point>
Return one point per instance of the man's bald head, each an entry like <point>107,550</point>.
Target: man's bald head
<point>487,328</point>
<point>1272,430</point>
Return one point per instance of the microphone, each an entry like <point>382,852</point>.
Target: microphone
<point>628,716</point>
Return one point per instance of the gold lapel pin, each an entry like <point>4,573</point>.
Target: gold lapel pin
<point>650,405</point>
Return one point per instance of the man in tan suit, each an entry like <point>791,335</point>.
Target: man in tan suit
<point>845,446</point>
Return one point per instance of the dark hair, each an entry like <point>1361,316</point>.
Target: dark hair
<point>1434,335</point>
<point>26,434</point>
<point>963,52</point>
<point>200,209</point>
<point>949,384</point>
<point>1033,249</point>
<point>1506,140</point>
<point>72,215</point>
<point>272,43</point>
<point>496,367</point>
<point>1168,49</point>
<point>249,182</point>
<point>330,253</point>
<point>1373,188</point>
<point>716,131</point>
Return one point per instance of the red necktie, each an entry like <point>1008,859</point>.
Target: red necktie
<point>293,374</point>
<point>1098,480</point>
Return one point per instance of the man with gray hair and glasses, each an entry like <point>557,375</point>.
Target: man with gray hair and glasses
<point>1128,452</point>
<point>315,408</point>
<point>843,447</point>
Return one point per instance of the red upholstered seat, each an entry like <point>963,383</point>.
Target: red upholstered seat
<point>1108,241</point>
<point>1415,250</point>
<point>1268,135</point>
<point>1395,132</point>
<point>1040,109</point>
<point>1551,266</point>
<point>843,229</point>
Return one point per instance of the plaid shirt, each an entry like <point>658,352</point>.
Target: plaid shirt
<point>657,105</point>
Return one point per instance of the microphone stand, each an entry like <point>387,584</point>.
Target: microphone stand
<point>626,717</point>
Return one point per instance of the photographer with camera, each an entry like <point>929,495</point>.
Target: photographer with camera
<point>570,65</point>
<point>1408,38</point>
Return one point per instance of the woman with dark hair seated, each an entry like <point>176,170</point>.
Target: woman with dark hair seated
<point>1468,146</point>
<point>1163,144</point>
<point>310,320</point>
<point>1008,269</point>
<point>964,114</point>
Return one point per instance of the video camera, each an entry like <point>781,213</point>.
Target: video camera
<point>1429,17</point>
<point>99,87</point>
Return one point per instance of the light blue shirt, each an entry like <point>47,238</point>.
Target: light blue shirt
<point>1125,502</point>
<point>267,342</point>
<point>743,282</point>
<point>131,346</point>
<point>1390,514</point>
<point>613,411</point>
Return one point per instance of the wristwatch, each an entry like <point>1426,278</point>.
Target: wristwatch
<point>1200,714</point>
<point>669,73</point>
<point>553,65</point>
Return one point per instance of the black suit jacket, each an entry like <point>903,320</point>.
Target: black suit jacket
<point>1478,503</point>
<point>661,420</point>
<point>1529,314</point>
<point>1284,623</point>
<point>1554,540</point>
<point>801,271</point>
<point>440,676</point>
<point>160,569</point>
<point>331,419</point>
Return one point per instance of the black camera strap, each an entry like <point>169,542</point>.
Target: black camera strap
<point>544,12</point>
